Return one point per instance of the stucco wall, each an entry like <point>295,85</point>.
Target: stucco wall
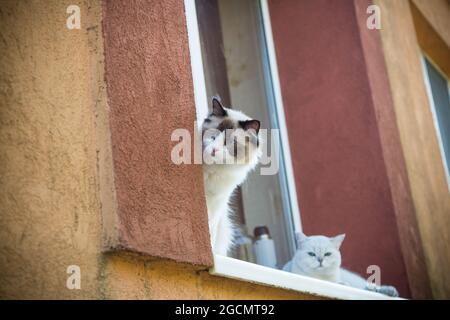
<point>49,197</point>
<point>417,132</point>
<point>161,207</point>
<point>52,96</point>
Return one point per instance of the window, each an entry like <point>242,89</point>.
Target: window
<point>232,54</point>
<point>438,91</point>
<point>236,66</point>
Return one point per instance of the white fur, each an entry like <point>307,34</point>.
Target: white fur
<point>329,268</point>
<point>220,182</point>
<point>304,264</point>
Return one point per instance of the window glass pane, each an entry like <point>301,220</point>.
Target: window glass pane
<point>440,96</point>
<point>235,64</point>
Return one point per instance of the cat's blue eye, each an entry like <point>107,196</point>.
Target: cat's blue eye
<point>312,254</point>
<point>327,254</point>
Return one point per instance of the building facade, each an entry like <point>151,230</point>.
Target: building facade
<point>87,116</point>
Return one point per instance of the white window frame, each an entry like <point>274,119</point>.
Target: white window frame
<point>242,270</point>
<point>433,111</point>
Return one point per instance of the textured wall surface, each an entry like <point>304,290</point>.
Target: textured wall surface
<point>417,132</point>
<point>52,120</point>
<point>437,13</point>
<point>161,206</point>
<point>48,188</point>
<point>342,181</point>
<point>411,243</point>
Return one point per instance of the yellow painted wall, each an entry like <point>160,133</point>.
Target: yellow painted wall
<point>417,132</point>
<point>51,92</point>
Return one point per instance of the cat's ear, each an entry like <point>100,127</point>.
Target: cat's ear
<point>300,237</point>
<point>337,241</point>
<point>250,125</point>
<point>217,108</point>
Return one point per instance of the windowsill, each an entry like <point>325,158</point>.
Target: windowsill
<point>245,271</point>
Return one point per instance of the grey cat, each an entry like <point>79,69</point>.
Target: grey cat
<point>319,257</point>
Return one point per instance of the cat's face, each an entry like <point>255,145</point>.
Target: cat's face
<point>318,254</point>
<point>230,135</point>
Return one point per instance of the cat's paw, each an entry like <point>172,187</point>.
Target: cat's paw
<point>388,290</point>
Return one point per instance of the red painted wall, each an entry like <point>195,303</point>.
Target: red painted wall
<point>161,206</point>
<point>340,173</point>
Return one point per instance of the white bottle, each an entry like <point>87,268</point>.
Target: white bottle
<point>264,248</point>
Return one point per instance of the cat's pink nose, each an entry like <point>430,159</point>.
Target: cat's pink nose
<point>213,152</point>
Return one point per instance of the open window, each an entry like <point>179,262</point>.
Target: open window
<point>237,68</point>
<point>232,55</point>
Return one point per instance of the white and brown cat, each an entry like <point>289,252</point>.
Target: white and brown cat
<point>231,149</point>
